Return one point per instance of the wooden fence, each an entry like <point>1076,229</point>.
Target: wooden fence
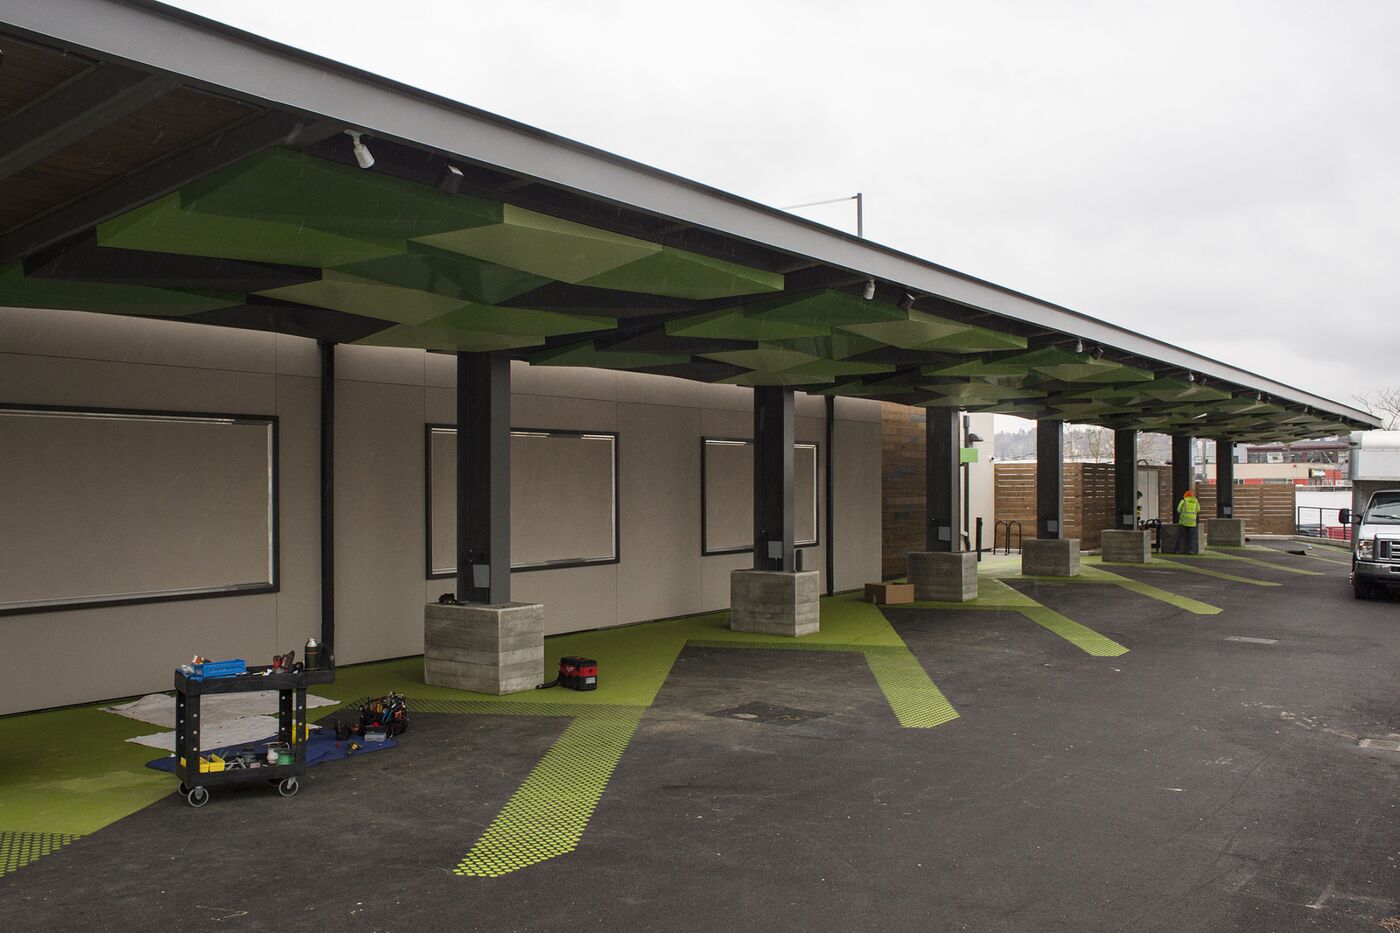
<point>1087,496</point>
<point>901,485</point>
<point>1267,510</point>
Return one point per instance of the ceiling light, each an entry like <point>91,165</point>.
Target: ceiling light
<point>362,153</point>
<point>869,289</point>
<point>1096,353</point>
<point>449,180</point>
<point>1190,377</point>
<point>1078,346</point>
<point>906,303</point>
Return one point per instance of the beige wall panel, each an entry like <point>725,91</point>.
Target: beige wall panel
<point>299,455</point>
<point>718,422</point>
<point>657,390</point>
<point>809,406</point>
<point>659,467</point>
<point>857,493</point>
<point>731,398</point>
<point>563,381</point>
<point>439,406</point>
<point>575,599</point>
<point>440,370</point>
<point>857,409</point>
<point>125,650</point>
<point>297,356</point>
<point>379,521</point>
<point>714,579</point>
<point>394,365</point>
<point>572,414</point>
<point>112,337</point>
<point>35,380</point>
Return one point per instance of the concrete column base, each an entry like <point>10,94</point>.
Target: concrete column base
<point>1050,557</point>
<point>1121,546</point>
<point>484,649</point>
<point>1228,532</point>
<point>945,576</point>
<point>1171,534</point>
<point>775,602</point>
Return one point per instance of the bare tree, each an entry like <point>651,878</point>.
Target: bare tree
<point>1384,403</point>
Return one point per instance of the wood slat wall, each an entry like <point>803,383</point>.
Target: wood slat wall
<point>901,485</point>
<point>1266,510</point>
<point>1087,497</point>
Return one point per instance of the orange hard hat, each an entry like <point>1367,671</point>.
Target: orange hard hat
<point>1190,494</point>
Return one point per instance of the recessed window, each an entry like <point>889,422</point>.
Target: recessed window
<point>727,495</point>
<point>100,508</point>
<point>563,499</point>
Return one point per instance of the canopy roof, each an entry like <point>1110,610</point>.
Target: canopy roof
<point>153,163</point>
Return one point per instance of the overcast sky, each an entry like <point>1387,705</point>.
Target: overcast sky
<point>1223,175</point>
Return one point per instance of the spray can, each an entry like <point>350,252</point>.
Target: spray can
<point>312,655</point>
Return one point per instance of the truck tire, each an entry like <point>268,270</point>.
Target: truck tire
<point>1361,588</point>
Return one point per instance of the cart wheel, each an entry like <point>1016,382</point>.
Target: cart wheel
<point>197,797</point>
<point>184,789</point>
<point>288,787</point>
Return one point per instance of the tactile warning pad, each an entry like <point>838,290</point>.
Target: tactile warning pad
<point>19,849</point>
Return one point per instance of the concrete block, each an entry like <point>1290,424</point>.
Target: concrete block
<point>484,649</point>
<point>1122,546</point>
<point>775,602</point>
<point>945,576</point>
<point>1171,536</point>
<point>1050,557</point>
<point>1227,532</point>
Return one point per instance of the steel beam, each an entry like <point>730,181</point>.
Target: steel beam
<point>88,102</point>
<point>327,498</point>
<point>162,178</point>
<point>1125,487</point>
<point>1181,467</point>
<point>483,478</point>
<point>773,427</point>
<point>1224,478</point>
<point>1049,478</point>
<point>942,479</point>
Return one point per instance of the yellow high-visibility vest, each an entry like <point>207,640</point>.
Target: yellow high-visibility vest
<point>1188,508</point>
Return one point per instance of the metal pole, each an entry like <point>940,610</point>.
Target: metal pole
<point>1049,478</point>
<point>1225,479</point>
<point>830,495</point>
<point>941,475</point>
<point>483,478</point>
<point>860,215</point>
<point>1125,491</point>
<point>327,352</point>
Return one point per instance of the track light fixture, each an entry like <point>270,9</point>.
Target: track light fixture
<point>449,180</point>
<point>1096,353</point>
<point>905,303</point>
<point>869,289</point>
<point>1190,377</point>
<point>362,154</point>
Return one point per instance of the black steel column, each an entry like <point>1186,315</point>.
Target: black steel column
<point>1224,478</point>
<point>327,497</point>
<point>1049,478</point>
<point>942,482</point>
<point>483,478</point>
<point>830,495</point>
<point>1125,488</point>
<point>1181,468</point>
<point>772,478</point>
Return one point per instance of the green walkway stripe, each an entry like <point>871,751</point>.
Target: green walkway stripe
<point>19,849</point>
<point>547,816</point>
<point>1218,574</point>
<point>1166,596</point>
<point>1081,636</point>
<point>1271,564</point>
<point>912,695</point>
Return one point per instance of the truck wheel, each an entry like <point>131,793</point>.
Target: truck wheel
<point>1361,589</point>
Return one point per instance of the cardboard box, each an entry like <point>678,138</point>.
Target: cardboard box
<point>887,594</point>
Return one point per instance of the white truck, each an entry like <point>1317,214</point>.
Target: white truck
<point>1375,511</point>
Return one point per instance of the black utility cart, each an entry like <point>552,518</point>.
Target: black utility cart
<point>291,729</point>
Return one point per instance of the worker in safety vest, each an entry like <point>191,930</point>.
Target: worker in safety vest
<point>1186,511</point>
